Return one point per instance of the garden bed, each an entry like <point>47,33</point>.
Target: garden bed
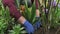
<point>52,20</point>
<point>51,31</point>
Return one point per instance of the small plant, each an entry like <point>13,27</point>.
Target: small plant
<point>17,29</point>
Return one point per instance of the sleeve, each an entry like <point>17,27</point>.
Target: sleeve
<point>12,8</point>
<point>37,4</point>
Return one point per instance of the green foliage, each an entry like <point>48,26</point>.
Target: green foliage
<point>5,19</point>
<point>53,16</point>
<point>30,13</point>
<point>17,29</point>
<point>53,19</point>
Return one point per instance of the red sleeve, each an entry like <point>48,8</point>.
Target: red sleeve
<point>13,10</point>
<point>37,4</point>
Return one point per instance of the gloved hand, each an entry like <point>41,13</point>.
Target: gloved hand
<point>29,28</point>
<point>37,24</point>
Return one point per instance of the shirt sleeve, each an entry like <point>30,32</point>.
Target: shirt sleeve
<point>12,8</point>
<point>37,4</point>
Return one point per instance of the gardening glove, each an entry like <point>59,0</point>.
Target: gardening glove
<point>37,24</point>
<point>29,28</point>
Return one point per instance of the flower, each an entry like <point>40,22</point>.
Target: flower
<point>59,5</point>
<point>22,8</point>
<point>53,3</point>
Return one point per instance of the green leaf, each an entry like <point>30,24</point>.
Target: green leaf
<point>33,12</point>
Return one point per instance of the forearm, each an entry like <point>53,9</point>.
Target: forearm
<point>22,20</point>
<point>37,13</point>
<point>17,15</point>
<point>37,10</point>
<point>13,11</point>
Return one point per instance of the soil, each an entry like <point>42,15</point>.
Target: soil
<point>51,31</point>
<point>40,31</point>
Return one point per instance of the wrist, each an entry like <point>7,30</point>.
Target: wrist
<point>37,13</point>
<point>22,20</point>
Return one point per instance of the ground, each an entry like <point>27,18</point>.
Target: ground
<point>52,31</point>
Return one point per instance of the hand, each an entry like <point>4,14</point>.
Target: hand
<point>37,24</point>
<point>29,28</point>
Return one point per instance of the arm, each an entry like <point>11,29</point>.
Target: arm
<point>17,15</point>
<point>13,10</point>
<point>38,23</point>
<point>37,5</point>
<point>37,10</point>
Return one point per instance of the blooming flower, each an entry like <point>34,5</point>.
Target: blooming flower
<point>53,3</point>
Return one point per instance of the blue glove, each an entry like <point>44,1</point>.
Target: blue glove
<point>37,24</point>
<point>29,28</point>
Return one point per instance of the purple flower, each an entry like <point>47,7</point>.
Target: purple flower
<point>59,5</point>
<point>46,10</point>
<point>53,3</point>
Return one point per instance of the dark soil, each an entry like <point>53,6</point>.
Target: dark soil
<point>51,31</point>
